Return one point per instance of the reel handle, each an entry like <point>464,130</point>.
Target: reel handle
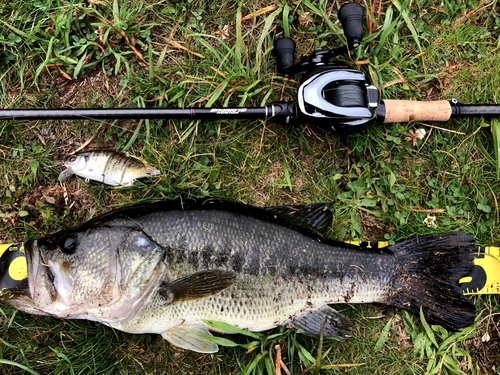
<point>284,50</point>
<point>351,17</point>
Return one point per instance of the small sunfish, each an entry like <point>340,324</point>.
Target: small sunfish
<point>109,167</point>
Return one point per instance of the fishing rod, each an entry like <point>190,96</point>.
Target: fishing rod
<point>331,95</point>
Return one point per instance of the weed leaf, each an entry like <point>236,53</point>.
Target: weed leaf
<point>230,328</point>
<point>22,367</point>
<point>428,329</point>
<point>384,335</point>
<point>495,129</point>
<point>220,340</point>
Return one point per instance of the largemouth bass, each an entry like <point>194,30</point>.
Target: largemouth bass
<point>109,167</point>
<point>165,267</point>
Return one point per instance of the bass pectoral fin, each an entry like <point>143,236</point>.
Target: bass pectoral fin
<point>336,325</point>
<point>197,285</point>
<point>190,336</point>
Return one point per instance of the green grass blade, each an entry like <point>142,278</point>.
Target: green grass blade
<point>305,355</point>
<point>150,62</point>
<point>287,176</point>
<point>264,35</point>
<point>220,341</point>
<point>243,99</point>
<point>404,13</point>
<point>217,94</point>
<point>134,137</point>
<point>46,61</point>
<point>266,98</point>
<point>22,33</point>
<point>79,66</point>
<point>8,344</point>
<point>161,58</point>
<point>69,18</point>
<point>231,329</point>
<point>482,148</point>
<point>22,367</point>
<point>456,337</point>
<point>221,59</point>
<point>269,364</point>
<point>428,330</point>
<point>252,366</point>
<point>239,45</point>
<point>495,129</point>
<point>286,25</point>
<point>116,10</point>
<point>60,354</point>
<point>384,335</point>
<point>387,29</point>
<point>319,11</point>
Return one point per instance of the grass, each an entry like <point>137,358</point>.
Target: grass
<point>67,53</point>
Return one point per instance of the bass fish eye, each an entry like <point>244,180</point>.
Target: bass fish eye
<point>46,243</point>
<point>68,245</point>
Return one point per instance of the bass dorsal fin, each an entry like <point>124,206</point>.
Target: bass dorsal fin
<point>312,220</point>
<point>314,217</point>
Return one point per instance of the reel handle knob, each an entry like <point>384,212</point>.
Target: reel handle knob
<point>284,49</point>
<point>351,17</point>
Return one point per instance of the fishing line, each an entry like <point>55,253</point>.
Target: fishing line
<point>168,141</point>
<point>346,95</point>
<point>144,135</point>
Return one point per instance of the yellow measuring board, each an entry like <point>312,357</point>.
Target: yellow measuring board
<point>485,276</point>
<point>13,266</point>
<point>370,244</point>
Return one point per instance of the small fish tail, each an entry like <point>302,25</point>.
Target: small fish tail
<point>152,171</point>
<point>427,276</point>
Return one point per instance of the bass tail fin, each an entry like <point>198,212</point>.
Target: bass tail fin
<point>427,276</point>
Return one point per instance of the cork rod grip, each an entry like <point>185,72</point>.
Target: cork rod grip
<point>410,110</point>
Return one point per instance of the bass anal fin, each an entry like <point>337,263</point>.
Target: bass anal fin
<point>310,321</point>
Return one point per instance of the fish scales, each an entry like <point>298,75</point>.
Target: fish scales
<point>97,163</point>
<point>168,267</point>
<point>116,168</point>
<point>280,270</point>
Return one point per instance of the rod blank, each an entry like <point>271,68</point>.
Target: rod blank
<point>134,113</point>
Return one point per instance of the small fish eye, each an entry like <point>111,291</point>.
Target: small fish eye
<point>68,244</point>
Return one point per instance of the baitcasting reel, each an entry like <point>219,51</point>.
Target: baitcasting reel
<point>331,95</point>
